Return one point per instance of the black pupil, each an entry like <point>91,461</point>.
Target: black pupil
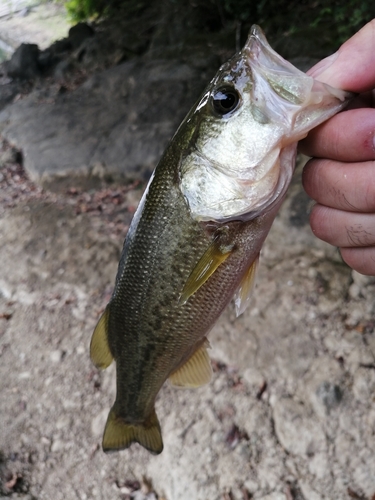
<point>225,100</point>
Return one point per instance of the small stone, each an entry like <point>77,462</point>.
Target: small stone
<point>5,290</point>
<point>354,291</point>
<point>56,356</point>
<point>80,349</point>
<point>57,445</point>
<point>251,486</point>
<point>354,317</point>
<point>361,280</point>
<point>63,422</point>
<point>364,384</point>
<point>253,377</point>
<point>312,273</point>
<point>44,440</point>
<point>329,394</point>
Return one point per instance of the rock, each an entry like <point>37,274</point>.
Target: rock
<point>54,54</point>
<point>297,430</point>
<point>63,69</point>
<point>120,119</point>
<point>8,156</point>
<point>79,33</point>
<point>96,54</point>
<point>8,91</point>
<point>24,62</point>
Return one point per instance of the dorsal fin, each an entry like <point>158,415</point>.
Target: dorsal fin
<point>197,370</point>
<point>100,353</point>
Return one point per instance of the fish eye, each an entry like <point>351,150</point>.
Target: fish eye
<point>225,100</point>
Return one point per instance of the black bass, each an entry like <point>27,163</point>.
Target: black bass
<point>195,238</point>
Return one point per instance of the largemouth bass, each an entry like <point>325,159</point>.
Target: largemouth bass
<point>195,238</point>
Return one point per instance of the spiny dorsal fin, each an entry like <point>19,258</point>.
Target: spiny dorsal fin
<point>246,287</point>
<point>119,435</point>
<point>100,353</point>
<point>207,265</point>
<point>197,370</point>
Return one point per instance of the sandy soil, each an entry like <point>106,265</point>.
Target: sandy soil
<point>290,413</point>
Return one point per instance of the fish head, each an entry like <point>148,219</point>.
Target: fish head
<point>240,138</point>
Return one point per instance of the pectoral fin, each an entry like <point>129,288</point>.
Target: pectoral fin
<point>119,435</point>
<point>197,371</point>
<point>100,353</point>
<point>246,287</point>
<point>207,265</point>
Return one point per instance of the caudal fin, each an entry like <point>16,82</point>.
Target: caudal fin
<point>119,435</point>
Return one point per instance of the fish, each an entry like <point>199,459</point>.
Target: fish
<point>195,238</point>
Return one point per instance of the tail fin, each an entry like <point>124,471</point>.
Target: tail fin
<point>119,435</point>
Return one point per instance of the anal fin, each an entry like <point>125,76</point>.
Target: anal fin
<point>243,293</point>
<point>100,353</point>
<point>197,370</point>
<point>119,435</point>
<point>213,257</point>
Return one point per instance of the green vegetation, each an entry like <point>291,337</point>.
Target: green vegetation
<point>327,22</point>
<point>332,20</point>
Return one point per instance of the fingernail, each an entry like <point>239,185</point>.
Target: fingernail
<point>323,65</point>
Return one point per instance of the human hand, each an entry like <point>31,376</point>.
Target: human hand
<point>341,175</point>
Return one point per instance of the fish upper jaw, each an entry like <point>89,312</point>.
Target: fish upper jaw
<point>286,94</point>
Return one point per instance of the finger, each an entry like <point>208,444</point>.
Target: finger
<point>343,229</point>
<point>352,67</point>
<point>343,186</point>
<point>360,259</point>
<point>348,136</point>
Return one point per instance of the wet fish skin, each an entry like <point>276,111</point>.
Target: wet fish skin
<point>156,322</point>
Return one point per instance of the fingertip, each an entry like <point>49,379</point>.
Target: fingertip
<point>312,177</point>
<point>361,260</point>
<point>319,221</point>
<point>307,173</point>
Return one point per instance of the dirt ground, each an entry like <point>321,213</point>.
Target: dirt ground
<point>290,412</point>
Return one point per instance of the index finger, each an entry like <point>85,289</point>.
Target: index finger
<point>352,67</point>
